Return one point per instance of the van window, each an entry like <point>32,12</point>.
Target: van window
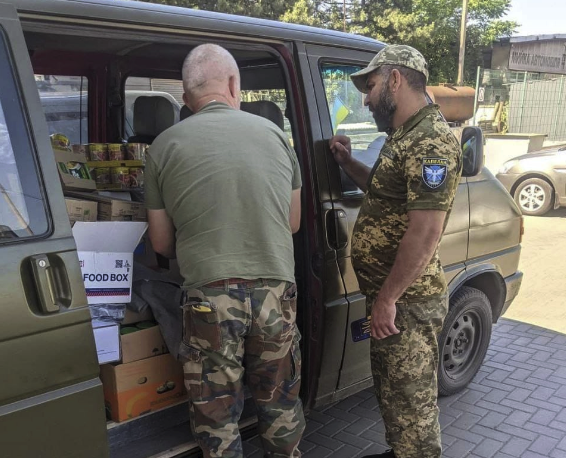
<point>277,96</point>
<point>22,207</point>
<point>169,89</point>
<point>65,103</point>
<point>350,117</point>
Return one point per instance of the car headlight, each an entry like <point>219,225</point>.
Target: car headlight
<point>508,166</point>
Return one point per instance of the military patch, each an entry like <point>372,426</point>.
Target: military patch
<point>434,172</point>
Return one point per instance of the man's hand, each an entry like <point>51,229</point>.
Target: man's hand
<point>383,319</point>
<point>341,149</point>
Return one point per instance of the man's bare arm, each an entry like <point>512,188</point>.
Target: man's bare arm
<point>161,233</point>
<point>295,210</point>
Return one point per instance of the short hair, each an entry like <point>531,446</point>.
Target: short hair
<point>207,64</point>
<point>415,79</point>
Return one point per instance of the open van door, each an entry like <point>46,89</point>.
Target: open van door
<point>51,402</point>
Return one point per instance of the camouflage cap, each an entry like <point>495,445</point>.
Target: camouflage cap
<point>401,55</point>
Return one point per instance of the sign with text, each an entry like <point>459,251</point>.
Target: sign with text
<point>539,56</point>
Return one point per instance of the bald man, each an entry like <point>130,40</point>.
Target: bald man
<point>223,196</point>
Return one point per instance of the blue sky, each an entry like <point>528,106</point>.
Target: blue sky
<point>539,17</point>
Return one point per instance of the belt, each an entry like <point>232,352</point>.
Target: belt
<point>234,281</point>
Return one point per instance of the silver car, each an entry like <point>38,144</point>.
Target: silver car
<point>537,181</point>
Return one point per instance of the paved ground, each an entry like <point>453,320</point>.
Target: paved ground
<point>516,405</point>
<point>542,298</point>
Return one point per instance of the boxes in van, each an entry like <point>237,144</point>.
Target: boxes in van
<point>107,340</point>
<point>112,209</point>
<point>105,252</point>
<point>81,210</point>
<point>142,386</point>
<point>138,342</point>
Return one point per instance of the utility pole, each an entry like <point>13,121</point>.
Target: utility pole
<point>344,12</point>
<point>460,81</point>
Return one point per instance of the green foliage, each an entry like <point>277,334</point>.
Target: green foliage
<point>432,26</point>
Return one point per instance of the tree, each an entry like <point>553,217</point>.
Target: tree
<point>431,26</point>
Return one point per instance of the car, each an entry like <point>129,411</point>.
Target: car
<point>537,180</point>
<point>52,399</point>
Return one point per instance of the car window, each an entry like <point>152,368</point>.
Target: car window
<point>169,89</point>
<point>65,103</point>
<point>350,117</point>
<point>22,206</point>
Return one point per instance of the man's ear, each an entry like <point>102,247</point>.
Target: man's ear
<point>186,101</point>
<point>234,88</point>
<point>395,80</point>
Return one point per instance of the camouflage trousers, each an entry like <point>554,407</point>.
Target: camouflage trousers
<point>404,368</point>
<point>243,329</point>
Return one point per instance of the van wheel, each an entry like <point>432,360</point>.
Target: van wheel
<point>464,340</point>
<point>534,197</point>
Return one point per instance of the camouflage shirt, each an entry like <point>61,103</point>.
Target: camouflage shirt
<point>419,168</point>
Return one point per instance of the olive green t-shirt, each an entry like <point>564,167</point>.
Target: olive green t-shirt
<point>225,177</point>
<point>419,168</point>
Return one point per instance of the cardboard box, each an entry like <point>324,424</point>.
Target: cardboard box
<point>111,209</point>
<point>81,210</point>
<point>133,389</point>
<point>107,341</point>
<point>105,252</point>
<point>69,179</point>
<point>142,344</point>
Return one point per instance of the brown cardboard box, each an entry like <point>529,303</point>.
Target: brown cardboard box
<point>133,389</point>
<point>142,344</point>
<point>114,209</point>
<point>69,181</point>
<point>81,210</point>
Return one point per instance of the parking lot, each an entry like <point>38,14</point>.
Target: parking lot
<point>516,405</point>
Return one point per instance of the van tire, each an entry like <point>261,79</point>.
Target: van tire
<point>464,339</point>
<point>528,196</point>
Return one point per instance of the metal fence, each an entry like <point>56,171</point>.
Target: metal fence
<point>521,103</point>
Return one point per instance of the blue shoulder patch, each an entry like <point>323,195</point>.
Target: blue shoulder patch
<point>434,172</point>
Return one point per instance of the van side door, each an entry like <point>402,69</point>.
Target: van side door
<point>51,402</point>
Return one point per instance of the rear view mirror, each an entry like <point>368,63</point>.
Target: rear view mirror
<point>472,151</point>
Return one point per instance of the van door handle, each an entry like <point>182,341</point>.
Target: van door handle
<point>45,284</point>
<point>337,228</point>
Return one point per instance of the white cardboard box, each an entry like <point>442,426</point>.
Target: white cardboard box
<point>105,252</point>
<point>107,341</point>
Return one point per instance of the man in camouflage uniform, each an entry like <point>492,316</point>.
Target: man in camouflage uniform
<point>409,195</point>
<point>223,196</point>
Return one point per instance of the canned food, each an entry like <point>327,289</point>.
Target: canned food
<point>103,175</point>
<point>97,152</point>
<point>136,177</point>
<point>80,149</point>
<point>115,152</point>
<point>60,141</point>
<point>136,151</point>
<point>121,176</point>
<point>77,170</point>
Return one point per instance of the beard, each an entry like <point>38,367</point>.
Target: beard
<point>384,110</point>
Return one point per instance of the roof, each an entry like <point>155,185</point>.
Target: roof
<point>528,38</point>
<point>150,14</point>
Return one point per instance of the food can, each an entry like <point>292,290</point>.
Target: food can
<point>80,149</point>
<point>136,151</point>
<point>121,176</point>
<point>115,152</point>
<point>60,141</point>
<point>136,177</point>
<point>97,152</point>
<point>103,175</point>
<point>77,170</point>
